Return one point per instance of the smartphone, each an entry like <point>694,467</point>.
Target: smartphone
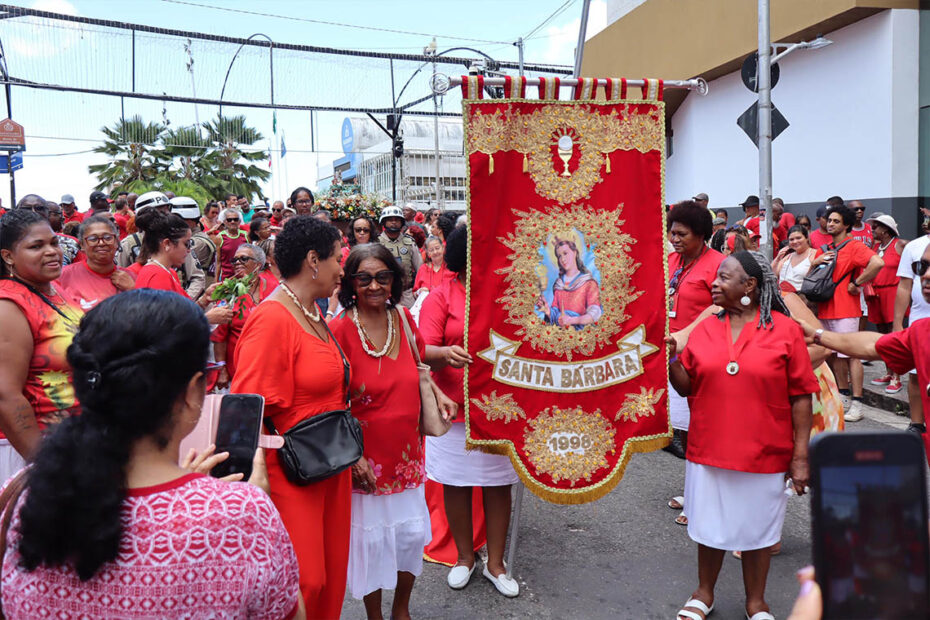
<point>237,431</point>
<point>869,520</point>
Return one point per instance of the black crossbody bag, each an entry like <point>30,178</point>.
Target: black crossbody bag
<point>323,445</point>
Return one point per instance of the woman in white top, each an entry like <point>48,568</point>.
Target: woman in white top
<point>793,261</point>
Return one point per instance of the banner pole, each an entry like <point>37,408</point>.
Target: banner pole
<point>515,527</point>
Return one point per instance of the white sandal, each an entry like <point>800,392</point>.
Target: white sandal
<point>760,615</point>
<point>700,606</point>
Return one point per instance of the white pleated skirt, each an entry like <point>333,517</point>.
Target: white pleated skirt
<point>388,535</point>
<point>678,410</point>
<point>734,510</point>
<point>448,462</point>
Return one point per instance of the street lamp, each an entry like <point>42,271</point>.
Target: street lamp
<point>816,44</point>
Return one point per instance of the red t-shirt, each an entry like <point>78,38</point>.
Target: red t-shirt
<point>77,216</point>
<point>752,223</point>
<point>785,222</point>
<point>155,276</point>
<point>864,234</point>
<point>429,279</point>
<point>906,350</point>
<point>743,422</point>
<point>693,293</point>
<point>819,238</point>
<point>49,386</point>
<point>227,249</point>
<point>442,324</point>
<point>86,286</point>
<point>386,400</point>
<point>231,332</point>
<point>122,223</point>
<point>195,547</point>
<point>270,279</point>
<point>853,257</point>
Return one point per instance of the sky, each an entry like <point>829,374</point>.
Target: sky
<point>62,127</point>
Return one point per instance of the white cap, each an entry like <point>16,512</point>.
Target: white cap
<point>887,220</point>
<point>185,207</point>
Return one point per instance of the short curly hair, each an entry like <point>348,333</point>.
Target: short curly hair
<point>301,234</point>
<point>356,257</point>
<point>693,216</point>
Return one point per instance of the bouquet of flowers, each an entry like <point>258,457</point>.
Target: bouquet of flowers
<point>345,205</point>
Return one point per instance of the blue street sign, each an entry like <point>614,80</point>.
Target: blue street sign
<point>5,163</point>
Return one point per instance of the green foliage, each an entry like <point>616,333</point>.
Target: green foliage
<point>208,163</point>
<point>232,290</point>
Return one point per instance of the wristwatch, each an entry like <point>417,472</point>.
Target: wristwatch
<point>817,335</point>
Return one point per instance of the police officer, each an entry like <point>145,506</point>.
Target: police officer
<point>403,247</point>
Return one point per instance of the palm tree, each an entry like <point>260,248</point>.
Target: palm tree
<point>232,168</point>
<point>186,148</point>
<point>131,147</point>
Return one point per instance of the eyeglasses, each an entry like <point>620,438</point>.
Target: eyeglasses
<point>190,244</point>
<point>95,239</point>
<point>232,219</point>
<point>920,267</point>
<point>382,277</point>
<point>241,259</point>
<point>305,201</point>
<point>362,230</point>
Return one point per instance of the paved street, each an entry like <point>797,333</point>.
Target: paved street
<point>620,557</point>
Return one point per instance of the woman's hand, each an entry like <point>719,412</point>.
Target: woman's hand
<point>122,280</point>
<point>808,329</point>
<point>447,407</point>
<point>217,315</point>
<point>671,341</point>
<point>456,356</point>
<point>222,378</point>
<point>800,473</point>
<point>259,477</point>
<point>363,477</point>
<point>204,462</point>
<point>809,605</point>
<point>542,305</point>
<point>209,292</point>
<point>826,257</point>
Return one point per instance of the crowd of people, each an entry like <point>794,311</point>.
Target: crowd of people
<point>113,335</point>
<point>729,309</point>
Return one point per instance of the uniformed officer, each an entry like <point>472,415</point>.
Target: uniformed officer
<point>403,247</point>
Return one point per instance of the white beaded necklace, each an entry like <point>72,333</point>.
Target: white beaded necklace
<point>296,301</point>
<point>365,338</point>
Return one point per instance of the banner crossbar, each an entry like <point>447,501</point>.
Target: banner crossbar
<point>442,83</point>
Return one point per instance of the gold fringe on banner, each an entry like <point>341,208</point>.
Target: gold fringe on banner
<point>490,164</point>
<point>607,162</point>
<point>526,164</point>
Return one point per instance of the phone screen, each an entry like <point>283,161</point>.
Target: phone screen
<point>237,432</point>
<point>870,529</point>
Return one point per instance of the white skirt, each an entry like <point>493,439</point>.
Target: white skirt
<point>448,462</point>
<point>10,461</point>
<point>734,510</point>
<point>388,535</point>
<point>678,409</point>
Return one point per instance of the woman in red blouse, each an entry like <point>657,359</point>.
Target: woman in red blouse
<point>287,354</point>
<point>740,449</point>
<point>109,524</point>
<point>442,323</point>
<point>228,241</point>
<point>390,520</point>
<point>38,322</point>
<point>249,259</point>
<point>91,281</point>
<point>432,272</point>
<point>692,268</point>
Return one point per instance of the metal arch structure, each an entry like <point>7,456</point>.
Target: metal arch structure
<point>236,55</point>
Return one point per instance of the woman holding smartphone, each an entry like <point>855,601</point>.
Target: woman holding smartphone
<point>105,496</point>
<point>793,261</point>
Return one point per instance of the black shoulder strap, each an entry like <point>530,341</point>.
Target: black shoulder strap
<point>345,361</point>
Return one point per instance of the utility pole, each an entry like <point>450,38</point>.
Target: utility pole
<point>764,80</point>
<point>579,51</point>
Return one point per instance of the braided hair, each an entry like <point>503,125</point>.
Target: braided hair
<point>756,266</point>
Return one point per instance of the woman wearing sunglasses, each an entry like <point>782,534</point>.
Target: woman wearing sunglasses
<point>249,259</point>
<point>390,519</point>
<point>228,241</point>
<point>692,268</point>
<point>90,282</point>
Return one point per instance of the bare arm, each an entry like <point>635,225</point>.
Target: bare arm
<point>871,270</point>
<point>682,335</point>
<point>219,354</point>
<point>801,414</point>
<point>800,312</point>
<point>857,345</point>
<point>440,357</point>
<point>677,374</point>
<point>17,418</point>
<point>902,301</point>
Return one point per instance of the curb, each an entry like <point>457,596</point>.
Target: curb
<point>887,402</point>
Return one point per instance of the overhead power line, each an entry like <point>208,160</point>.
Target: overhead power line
<point>549,19</point>
<point>330,23</point>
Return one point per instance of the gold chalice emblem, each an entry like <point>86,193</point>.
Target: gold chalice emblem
<point>565,147</point>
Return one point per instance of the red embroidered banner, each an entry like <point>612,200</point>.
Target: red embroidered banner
<point>566,287</point>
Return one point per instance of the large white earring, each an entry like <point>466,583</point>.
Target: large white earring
<point>745,300</point>
<point>316,272</point>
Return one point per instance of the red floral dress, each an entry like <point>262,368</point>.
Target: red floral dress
<point>386,400</point>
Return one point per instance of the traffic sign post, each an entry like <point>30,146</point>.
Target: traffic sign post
<point>12,140</point>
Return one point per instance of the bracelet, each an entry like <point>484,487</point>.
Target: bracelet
<point>817,335</point>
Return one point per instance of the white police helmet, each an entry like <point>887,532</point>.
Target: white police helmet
<point>151,199</point>
<point>390,211</point>
<point>185,207</point>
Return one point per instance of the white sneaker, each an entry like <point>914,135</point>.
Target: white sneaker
<point>507,586</point>
<point>846,401</point>
<point>459,576</point>
<point>855,412</point>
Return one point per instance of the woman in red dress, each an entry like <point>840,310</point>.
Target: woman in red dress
<point>390,520</point>
<point>249,259</point>
<point>888,245</point>
<point>741,449</point>
<point>433,272</point>
<point>692,268</point>
<point>38,322</point>
<point>228,241</point>
<point>287,354</point>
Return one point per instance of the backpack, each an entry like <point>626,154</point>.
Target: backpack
<point>818,285</point>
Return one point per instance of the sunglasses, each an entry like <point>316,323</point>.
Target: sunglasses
<point>361,230</point>
<point>95,239</point>
<point>190,244</point>
<point>382,277</point>
<point>241,259</point>
<point>232,219</point>
<point>858,208</point>
<point>277,210</point>
<point>920,267</point>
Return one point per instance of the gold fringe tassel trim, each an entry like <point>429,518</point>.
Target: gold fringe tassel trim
<point>526,164</point>
<point>607,161</point>
<point>490,164</point>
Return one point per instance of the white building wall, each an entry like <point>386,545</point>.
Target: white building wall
<point>852,109</point>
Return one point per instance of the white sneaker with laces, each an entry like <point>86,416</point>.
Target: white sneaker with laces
<point>855,412</point>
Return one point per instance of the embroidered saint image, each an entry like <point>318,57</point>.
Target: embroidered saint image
<point>573,298</point>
